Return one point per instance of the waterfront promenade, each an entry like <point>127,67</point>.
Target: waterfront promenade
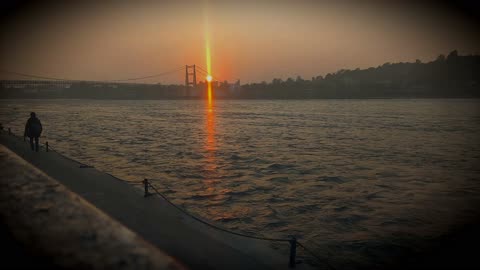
<point>191,243</point>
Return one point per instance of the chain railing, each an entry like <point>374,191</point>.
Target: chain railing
<point>292,240</point>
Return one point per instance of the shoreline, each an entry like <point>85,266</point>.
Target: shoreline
<point>193,244</point>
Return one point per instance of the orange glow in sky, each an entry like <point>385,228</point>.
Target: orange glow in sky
<point>283,38</point>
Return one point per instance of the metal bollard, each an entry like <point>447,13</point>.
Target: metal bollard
<point>293,252</point>
<point>46,146</point>
<point>145,183</point>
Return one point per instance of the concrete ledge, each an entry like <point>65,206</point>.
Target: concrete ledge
<point>194,244</point>
<point>58,225</point>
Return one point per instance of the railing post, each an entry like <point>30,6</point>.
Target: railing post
<point>145,183</point>
<point>293,252</point>
<point>46,145</point>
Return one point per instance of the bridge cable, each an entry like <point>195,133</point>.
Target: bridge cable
<point>32,76</point>
<point>203,70</point>
<point>76,80</point>
<point>150,76</point>
<point>206,73</point>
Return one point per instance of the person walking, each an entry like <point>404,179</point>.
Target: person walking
<point>33,129</point>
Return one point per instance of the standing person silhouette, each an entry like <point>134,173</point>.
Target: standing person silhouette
<point>33,129</point>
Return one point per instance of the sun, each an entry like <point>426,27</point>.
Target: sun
<point>209,78</point>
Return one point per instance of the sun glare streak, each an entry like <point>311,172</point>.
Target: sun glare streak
<point>210,144</point>
<point>208,60</point>
<point>207,52</point>
<point>209,77</point>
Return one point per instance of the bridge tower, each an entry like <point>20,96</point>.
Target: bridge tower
<point>190,73</point>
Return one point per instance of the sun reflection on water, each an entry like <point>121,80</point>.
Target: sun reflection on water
<point>210,141</point>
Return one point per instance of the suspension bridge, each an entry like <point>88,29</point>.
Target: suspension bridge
<point>34,82</point>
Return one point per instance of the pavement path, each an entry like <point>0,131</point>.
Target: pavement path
<point>192,243</point>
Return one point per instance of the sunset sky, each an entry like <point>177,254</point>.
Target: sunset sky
<point>248,40</point>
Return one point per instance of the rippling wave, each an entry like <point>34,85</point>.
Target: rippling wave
<point>357,180</point>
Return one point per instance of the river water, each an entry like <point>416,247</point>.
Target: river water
<point>358,181</point>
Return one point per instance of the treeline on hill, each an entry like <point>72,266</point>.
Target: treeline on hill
<point>453,76</point>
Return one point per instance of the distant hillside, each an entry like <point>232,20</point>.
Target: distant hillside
<point>453,76</point>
